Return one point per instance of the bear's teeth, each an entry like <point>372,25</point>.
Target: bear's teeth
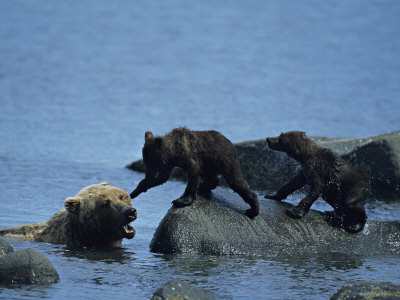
<point>128,228</point>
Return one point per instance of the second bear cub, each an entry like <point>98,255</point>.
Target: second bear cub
<point>203,155</point>
<point>327,175</point>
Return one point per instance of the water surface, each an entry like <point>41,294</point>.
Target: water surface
<point>81,81</point>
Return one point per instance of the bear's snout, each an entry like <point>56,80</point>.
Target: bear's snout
<point>132,214</point>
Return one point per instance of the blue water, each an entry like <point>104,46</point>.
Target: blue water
<point>81,81</point>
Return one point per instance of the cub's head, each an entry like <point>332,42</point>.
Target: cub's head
<point>155,151</point>
<point>104,213</point>
<point>291,142</point>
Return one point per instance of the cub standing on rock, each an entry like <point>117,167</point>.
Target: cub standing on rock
<point>203,155</point>
<point>327,175</point>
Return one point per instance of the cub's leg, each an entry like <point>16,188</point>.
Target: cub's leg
<point>296,183</point>
<point>209,183</point>
<point>237,183</point>
<point>190,192</point>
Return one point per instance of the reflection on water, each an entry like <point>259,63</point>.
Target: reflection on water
<point>321,262</point>
<point>117,255</point>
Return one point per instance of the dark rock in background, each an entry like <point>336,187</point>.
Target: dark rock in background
<point>5,248</point>
<point>27,266</point>
<point>219,227</point>
<point>377,158</point>
<point>176,289</point>
<point>368,291</point>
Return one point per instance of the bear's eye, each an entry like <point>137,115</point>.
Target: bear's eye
<point>106,203</point>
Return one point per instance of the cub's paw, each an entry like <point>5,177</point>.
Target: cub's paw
<point>333,219</point>
<point>354,228</point>
<point>274,197</point>
<point>134,194</point>
<point>182,201</point>
<point>251,213</point>
<point>296,212</point>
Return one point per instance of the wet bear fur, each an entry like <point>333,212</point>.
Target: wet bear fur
<point>328,176</point>
<point>98,216</point>
<point>203,155</point>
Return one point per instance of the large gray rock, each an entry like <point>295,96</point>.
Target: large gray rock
<point>218,227</point>
<point>27,266</point>
<point>376,157</point>
<point>176,289</point>
<point>368,291</point>
<point>5,248</point>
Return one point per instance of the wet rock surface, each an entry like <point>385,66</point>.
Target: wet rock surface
<point>27,266</point>
<point>219,227</point>
<point>176,289</point>
<point>368,290</point>
<point>5,248</point>
<point>377,158</point>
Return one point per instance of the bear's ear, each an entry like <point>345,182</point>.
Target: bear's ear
<point>148,136</point>
<point>104,183</point>
<point>72,204</point>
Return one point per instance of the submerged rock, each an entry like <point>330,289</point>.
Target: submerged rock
<point>5,248</point>
<point>176,289</point>
<point>219,227</point>
<point>368,291</point>
<point>377,158</point>
<point>27,266</point>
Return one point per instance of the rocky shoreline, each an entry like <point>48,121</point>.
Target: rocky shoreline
<point>377,158</point>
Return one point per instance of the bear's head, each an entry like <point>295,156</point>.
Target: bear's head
<point>292,142</point>
<point>103,212</point>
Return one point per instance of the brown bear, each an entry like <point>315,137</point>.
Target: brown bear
<point>203,155</point>
<point>327,175</point>
<point>98,216</point>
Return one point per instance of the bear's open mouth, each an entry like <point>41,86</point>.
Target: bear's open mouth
<point>128,231</point>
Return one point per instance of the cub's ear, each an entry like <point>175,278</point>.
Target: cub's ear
<point>148,136</point>
<point>72,204</point>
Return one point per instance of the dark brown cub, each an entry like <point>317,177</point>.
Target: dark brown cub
<point>203,155</point>
<point>327,176</point>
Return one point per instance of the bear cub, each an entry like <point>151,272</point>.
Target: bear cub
<point>328,176</point>
<point>203,155</point>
